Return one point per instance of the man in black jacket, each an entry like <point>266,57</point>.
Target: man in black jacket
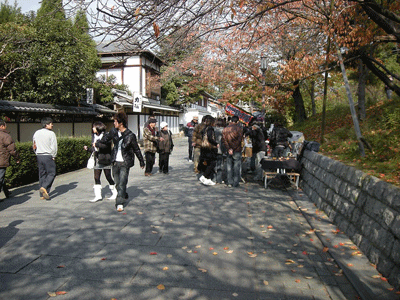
<point>279,138</point>
<point>259,149</point>
<point>123,155</point>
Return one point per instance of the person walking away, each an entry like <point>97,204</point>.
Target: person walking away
<point>279,138</point>
<point>220,169</point>
<point>122,156</point>
<point>7,149</point>
<point>45,147</point>
<point>197,139</point>
<point>165,147</point>
<point>259,149</point>
<point>232,137</point>
<point>150,141</point>
<point>103,161</point>
<point>189,133</point>
<point>208,152</point>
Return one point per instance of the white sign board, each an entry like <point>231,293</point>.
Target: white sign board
<point>137,102</point>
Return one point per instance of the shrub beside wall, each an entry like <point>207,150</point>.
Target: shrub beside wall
<point>365,208</point>
<point>71,156</point>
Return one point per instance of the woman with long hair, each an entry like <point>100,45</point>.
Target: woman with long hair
<point>208,153</point>
<point>103,161</point>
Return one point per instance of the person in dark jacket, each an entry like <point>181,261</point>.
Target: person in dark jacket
<point>208,154</point>
<point>232,137</point>
<point>103,161</point>
<point>123,155</point>
<point>258,148</point>
<point>279,139</point>
<point>165,147</point>
<point>189,133</point>
<point>7,149</point>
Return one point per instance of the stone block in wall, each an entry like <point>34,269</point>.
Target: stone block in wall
<point>341,223</point>
<point>394,277</point>
<point>395,227</point>
<point>347,210</point>
<point>357,239</point>
<point>351,231</point>
<point>395,254</point>
<point>388,217</point>
<point>391,196</point>
<point>356,216</point>
<point>373,253</point>
<point>336,200</point>
<point>366,223</point>
<point>362,199</point>
<point>353,193</point>
<point>369,183</point>
<point>336,184</point>
<point>382,239</point>
<point>365,246</point>
<point>385,266</point>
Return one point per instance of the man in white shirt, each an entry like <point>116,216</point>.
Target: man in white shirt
<point>45,147</point>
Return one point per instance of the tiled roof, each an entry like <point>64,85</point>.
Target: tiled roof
<point>16,106</point>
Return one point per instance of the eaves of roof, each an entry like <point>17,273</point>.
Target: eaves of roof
<point>28,107</point>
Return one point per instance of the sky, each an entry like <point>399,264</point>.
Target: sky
<point>26,5</point>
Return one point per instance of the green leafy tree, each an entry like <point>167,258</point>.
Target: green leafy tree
<point>103,87</point>
<point>63,58</point>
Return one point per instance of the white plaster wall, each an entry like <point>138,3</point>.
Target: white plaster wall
<point>132,78</point>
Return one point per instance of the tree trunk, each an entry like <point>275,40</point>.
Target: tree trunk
<point>300,111</point>
<point>351,103</point>
<point>312,94</point>
<point>362,70</point>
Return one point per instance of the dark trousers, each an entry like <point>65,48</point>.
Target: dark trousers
<point>150,159</point>
<point>163,162</point>
<point>220,168</point>
<point>47,171</point>
<point>120,173</point>
<point>210,168</point>
<point>2,176</point>
<point>107,173</point>
<point>190,141</point>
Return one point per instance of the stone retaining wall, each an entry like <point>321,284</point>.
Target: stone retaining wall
<point>365,208</point>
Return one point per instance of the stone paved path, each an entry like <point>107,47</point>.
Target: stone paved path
<point>176,239</point>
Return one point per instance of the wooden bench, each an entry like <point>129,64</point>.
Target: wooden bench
<point>295,177</point>
<point>270,175</point>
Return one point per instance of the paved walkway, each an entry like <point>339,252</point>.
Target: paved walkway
<point>176,239</point>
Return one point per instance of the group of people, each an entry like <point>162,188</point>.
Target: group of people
<point>114,153</point>
<point>121,157</point>
<point>216,146</point>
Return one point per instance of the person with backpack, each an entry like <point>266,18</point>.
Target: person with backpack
<point>279,138</point>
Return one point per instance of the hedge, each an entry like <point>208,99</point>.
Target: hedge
<point>70,157</point>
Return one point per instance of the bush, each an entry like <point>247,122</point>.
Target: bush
<point>70,157</point>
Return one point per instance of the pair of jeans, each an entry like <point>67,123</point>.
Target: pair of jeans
<point>120,173</point>
<point>150,160</point>
<point>234,168</point>
<point>220,168</point>
<point>258,169</point>
<point>190,141</point>
<point>2,177</point>
<point>47,171</point>
<point>163,163</point>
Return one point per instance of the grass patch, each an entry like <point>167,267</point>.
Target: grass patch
<point>381,129</point>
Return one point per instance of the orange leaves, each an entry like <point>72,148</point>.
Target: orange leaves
<point>156,30</point>
<point>55,294</point>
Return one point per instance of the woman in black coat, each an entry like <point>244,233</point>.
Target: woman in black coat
<point>103,161</point>
<point>208,152</point>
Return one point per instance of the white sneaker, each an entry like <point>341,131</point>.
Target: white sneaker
<point>95,200</point>
<point>209,182</point>
<point>190,160</point>
<point>202,179</point>
<point>120,208</point>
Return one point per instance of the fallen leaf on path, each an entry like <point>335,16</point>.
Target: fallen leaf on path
<point>215,253</point>
<point>61,266</point>
<point>290,261</point>
<point>61,293</point>
<point>297,280</point>
<point>104,258</point>
<point>154,232</point>
<point>51,294</point>
<point>383,279</point>
<point>253,255</point>
<point>229,251</point>
<point>161,287</point>
<point>376,276</point>
<point>235,294</point>
<point>198,246</point>
<point>270,226</point>
<point>203,270</point>
<point>165,268</point>
<point>326,249</point>
<point>305,253</point>
<point>153,253</point>
<point>250,238</point>
<point>350,265</point>
<point>169,255</point>
<point>226,248</point>
<point>265,282</point>
<point>308,277</point>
